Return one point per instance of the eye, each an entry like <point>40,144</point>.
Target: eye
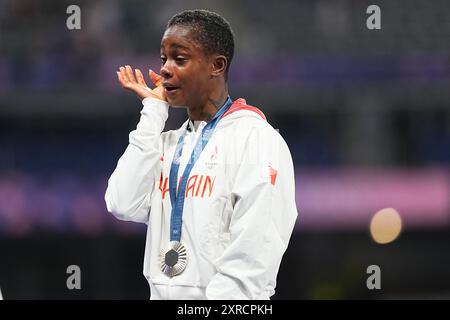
<point>180,59</point>
<point>163,59</point>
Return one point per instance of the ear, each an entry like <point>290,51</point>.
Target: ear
<point>219,65</point>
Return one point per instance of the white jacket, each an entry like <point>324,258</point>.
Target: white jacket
<point>239,210</point>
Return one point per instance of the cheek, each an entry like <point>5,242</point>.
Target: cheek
<point>196,82</point>
<point>195,79</point>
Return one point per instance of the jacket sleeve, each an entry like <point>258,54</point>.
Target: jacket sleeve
<point>130,186</point>
<point>264,214</point>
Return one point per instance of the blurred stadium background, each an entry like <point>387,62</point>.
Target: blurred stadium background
<point>366,115</point>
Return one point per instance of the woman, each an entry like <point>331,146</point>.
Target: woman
<point>218,193</point>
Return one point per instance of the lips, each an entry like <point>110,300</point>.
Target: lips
<point>170,89</point>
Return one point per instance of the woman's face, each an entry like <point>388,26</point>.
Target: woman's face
<point>186,68</point>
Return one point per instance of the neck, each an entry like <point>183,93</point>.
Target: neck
<point>213,103</point>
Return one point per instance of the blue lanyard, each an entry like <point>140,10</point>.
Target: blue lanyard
<point>177,199</point>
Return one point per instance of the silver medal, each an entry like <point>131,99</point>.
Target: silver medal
<point>173,260</point>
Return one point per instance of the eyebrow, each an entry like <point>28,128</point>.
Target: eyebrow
<point>177,46</point>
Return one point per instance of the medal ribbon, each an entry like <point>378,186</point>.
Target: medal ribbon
<point>177,199</point>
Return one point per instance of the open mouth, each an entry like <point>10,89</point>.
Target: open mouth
<point>170,88</point>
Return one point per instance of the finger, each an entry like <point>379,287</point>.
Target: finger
<point>123,75</point>
<point>140,77</point>
<point>130,74</point>
<point>156,79</point>
<point>119,77</point>
<point>122,81</point>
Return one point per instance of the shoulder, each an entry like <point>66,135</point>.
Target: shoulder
<point>247,130</point>
<point>253,127</point>
<point>244,118</point>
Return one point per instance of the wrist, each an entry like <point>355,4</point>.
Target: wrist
<point>152,95</point>
<point>152,100</point>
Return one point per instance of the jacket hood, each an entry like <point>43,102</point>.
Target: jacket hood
<point>240,109</point>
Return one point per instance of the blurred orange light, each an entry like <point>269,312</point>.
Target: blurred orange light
<point>385,226</point>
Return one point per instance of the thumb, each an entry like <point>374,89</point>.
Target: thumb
<point>156,79</point>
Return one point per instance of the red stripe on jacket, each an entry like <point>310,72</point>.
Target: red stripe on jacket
<point>241,104</point>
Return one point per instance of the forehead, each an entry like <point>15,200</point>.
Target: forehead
<point>179,37</point>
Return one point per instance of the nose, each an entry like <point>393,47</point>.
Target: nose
<point>165,71</point>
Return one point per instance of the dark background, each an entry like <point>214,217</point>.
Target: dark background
<point>346,99</point>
